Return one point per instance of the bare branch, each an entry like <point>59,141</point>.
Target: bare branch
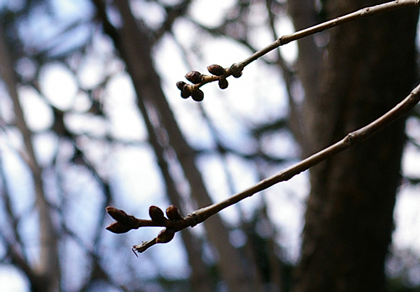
<point>236,69</point>
<point>49,261</point>
<point>125,222</point>
<point>351,139</point>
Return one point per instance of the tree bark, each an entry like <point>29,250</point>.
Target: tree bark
<point>369,66</point>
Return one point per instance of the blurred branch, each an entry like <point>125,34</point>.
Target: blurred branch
<point>15,245</point>
<point>49,263</point>
<point>289,77</point>
<point>199,274</point>
<point>172,14</point>
<point>220,74</point>
<point>258,154</point>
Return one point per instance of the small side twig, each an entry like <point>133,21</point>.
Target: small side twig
<point>221,74</point>
<point>172,223</point>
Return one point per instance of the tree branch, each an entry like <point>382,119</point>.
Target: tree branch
<point>236,69</point>
<point>48,254</point>
<point>175,223</point>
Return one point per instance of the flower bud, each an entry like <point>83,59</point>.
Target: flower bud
<point>156,214</point>
<point>194,76</point>
<point>118,227</point>
<point>117,214</point>
<point>186,89</point>
<point>236,70</point>
<point>216,70</point>
<point>173,213</point>
<point>185,94</point>
<point>197,95</point>
<point>165,235</point>
<point>180,85</point>
<point>223,83</point>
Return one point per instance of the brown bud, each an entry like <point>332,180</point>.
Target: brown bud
<point>223,83</point>
<point>173,213</point>
<point>185,94</point>
<point>117,214</point>
<point>180,85</point>
<point>186,90</point>
<point>194,76</point>
<point>165,235</point>
<point>216,70</point>
<point>197,95</point>
<point>236,70</point>
<point>156,214</point>
<point>118,227</point>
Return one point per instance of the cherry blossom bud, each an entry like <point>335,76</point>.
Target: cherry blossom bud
<point>185,94</point>
<point>156,214</point>
<point>223,83</point>
<point>180,85</point>
<point>216,70</point>
<point>186,89</point>
<point>117,214</point>
<point>118,227</point>
<point>165,235</point>
<point>197,95</point>
<point>236,70</point>
<point>173,213</point>
<point>194,76</point>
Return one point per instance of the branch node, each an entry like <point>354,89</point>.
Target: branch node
<point>236,70</point>
<point>349,139</point>
<point>193,218</point>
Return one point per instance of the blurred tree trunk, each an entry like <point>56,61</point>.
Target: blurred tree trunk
<point>44,275</point>
<point>133,42</point>
<point>369,65</point>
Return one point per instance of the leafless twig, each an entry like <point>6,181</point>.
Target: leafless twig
<point>218,73</point>
<point>176,223</point>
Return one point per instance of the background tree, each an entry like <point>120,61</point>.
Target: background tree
<point>350,207</point>
<point>80,160</point>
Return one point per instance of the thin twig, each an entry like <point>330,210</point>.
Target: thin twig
<point>237,68</point>
<point>349,140</point>
<point>367,11</point>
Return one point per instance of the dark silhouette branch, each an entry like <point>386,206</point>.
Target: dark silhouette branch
<point>176,223</point>
<point>221,74</point>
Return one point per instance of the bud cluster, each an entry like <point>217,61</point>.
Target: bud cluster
<point>188,90</point>
<point>157,216</point>
<point>197,79</point>
<point>124,222</point>
<point>173,222</point>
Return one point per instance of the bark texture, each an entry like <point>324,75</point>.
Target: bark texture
<point>368,67</point>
